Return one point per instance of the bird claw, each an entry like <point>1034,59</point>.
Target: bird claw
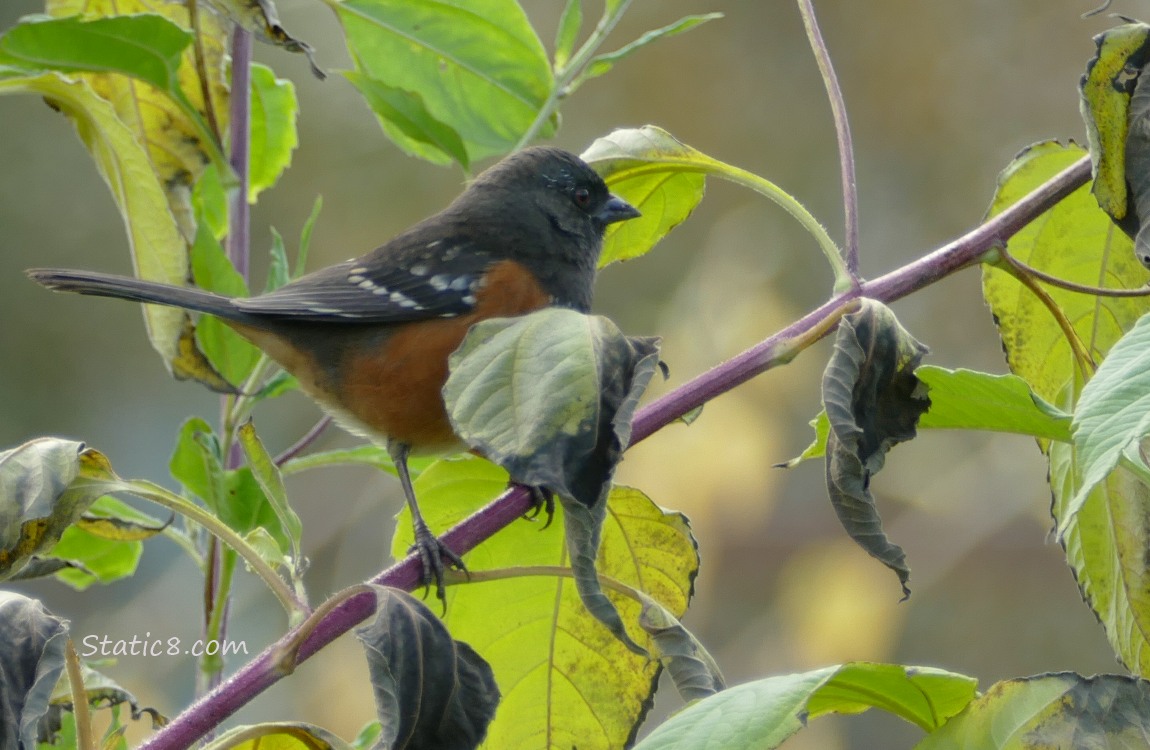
<point>433,553</point>
<point>542,501</point>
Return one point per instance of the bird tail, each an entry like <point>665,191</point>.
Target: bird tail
<point>125,287</point>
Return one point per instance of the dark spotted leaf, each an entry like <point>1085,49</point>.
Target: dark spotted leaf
<point>45,486</point>
<point>261,19</point>
<point>873,401</point>
<point>1105,90</point>
<point>1052,711</point>
<point>431,691</point>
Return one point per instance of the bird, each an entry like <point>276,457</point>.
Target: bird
<point>369,339</point>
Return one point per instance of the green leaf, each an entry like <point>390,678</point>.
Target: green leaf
<point>1105,92</point>
<point>32,656</point>
<point>144,46</point>
<point>278,271</point>
<point>305,237</point>
<point>549,396</point>
<point>602,64</point>
<point>267,474</point>
<point>873,402</point>
<point>1112,414</point>
<point>656,174</point>
<point>158,249</point>
<point>430,689</point>
<point>764,713</point>
<point>233,356</point>
<point>405,117</point>
<point>478,65</point>
<point>273,129</point>
<point>196,462</point>
<point>210,202</point>
<point>1051,711</point>
<point>569,24</point>
<point>172,130</point>
<point>1106,539</point>
<point>245,507</point>
<point>561,673</point>
<point>663,178</point>
<point>103,560</point>
<point>969,400</point>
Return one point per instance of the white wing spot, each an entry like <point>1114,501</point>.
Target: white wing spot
<point>381,290</point>
<point>434,243</point>
<point>459,283</point>
<point>355,278</point>
<point>419,269</point>
<point>468,299</point>
<point>358,270</point>
<point>451,253</point>
<point>326,310</point>
<point>439,281</point>
<point>367,284</point>
<point>404,301</point>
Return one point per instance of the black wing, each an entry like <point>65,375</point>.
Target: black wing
<point>406,279</point>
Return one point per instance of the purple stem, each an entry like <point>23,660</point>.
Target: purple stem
<point>239,219</point>
<point>842,133</point>
<point>261,672</point>
<point>308,438</point>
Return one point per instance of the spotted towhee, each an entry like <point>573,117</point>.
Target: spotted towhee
<point>369,338</point>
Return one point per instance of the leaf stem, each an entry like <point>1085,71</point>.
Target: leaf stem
<point>844,277</point>
<point>157,494</point>
<point>83,717</point>
<point>1082,357</point>
<point>1070,286</point>
<point>565,76</point>
<point>843,134</point>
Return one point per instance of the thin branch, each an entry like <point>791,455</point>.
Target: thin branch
<point>842,133</point>
<point>570,72</point>
<point>301,445</point>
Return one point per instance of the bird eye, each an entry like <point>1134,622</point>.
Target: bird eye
<point>582,197</point>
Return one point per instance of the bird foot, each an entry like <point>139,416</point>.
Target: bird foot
<point>436,558</point>
<point>542,501</point>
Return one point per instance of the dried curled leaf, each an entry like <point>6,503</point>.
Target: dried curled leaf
<point>873,401</point>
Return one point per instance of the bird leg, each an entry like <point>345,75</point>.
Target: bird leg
<point>432,552</point>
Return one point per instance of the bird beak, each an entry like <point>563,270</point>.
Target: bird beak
<point>616,209</point>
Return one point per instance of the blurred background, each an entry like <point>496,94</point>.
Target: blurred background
<point>940,97</point>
